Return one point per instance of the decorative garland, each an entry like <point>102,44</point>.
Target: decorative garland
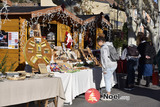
<point>4,10</point>
<point>22,34</point>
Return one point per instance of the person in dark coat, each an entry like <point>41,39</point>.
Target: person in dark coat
<point>147,52</point>
<point>131,54</point>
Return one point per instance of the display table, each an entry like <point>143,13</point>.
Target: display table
<point>79,82</point>
<point>24,91</point>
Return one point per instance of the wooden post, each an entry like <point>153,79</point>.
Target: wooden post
<point>46,103</point>
<point>27,105</point>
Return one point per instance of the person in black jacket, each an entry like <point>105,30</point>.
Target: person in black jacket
<point>147,52</point>
<point>131,54</point>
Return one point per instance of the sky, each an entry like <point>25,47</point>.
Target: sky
<point>155,1</point>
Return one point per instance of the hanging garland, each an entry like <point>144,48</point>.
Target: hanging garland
<point>22,35</point>
<point>4,10</point>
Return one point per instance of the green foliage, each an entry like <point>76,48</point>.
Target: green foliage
<point>80,65</point>
<point>120,41</point>
<point>92,64</point>
<point>12,66</point>
<point>3,65</point>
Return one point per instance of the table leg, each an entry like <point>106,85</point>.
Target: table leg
<point>27,105</point>
<point>46,103</point>
<point>55,101</point>
<point>39,103</point>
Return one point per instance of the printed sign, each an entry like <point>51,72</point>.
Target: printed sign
<point>4,40</point>
<point>12,40</point>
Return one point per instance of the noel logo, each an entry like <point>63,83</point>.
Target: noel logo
<point>92,96</point>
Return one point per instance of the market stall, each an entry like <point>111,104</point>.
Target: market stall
<point>56,57</point>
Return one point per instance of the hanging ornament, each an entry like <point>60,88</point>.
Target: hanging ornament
<point>4,10</point>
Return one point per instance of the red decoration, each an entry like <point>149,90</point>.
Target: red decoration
<point>68,40</point>
<point>66,33</point>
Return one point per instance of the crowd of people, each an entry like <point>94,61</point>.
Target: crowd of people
<point>141,58</point>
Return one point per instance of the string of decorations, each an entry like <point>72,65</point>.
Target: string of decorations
<point>4,10</point>
<point>22,35</point>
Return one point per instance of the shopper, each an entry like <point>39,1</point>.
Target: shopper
<point>108,65</point>
<point>131,55</point>
<point>147,53</point>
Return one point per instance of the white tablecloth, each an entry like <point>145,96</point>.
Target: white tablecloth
<point>79,82</point>
<point>23,91</point>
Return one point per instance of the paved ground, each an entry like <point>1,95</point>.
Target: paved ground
<point>139,97</point>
